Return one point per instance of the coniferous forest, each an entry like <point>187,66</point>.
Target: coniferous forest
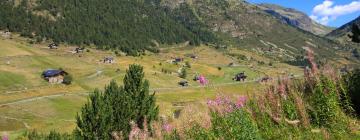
<point>130,26</point>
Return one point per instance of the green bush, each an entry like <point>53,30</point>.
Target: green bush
<point>68,79</point>
<point>197,132</point>
<point>353,87</point>
<point>183,73</point>
<point>324,102</point>
<point>236,125</point>
<point>187,64</point>
<point>53,135</point>
<point>289,109</point>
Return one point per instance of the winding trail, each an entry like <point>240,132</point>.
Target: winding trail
<point>153,89</point>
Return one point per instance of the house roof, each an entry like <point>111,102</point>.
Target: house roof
<point>51,72</point>
<point>109,58</point>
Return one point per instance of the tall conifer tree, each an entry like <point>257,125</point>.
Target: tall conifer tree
<point>114,109</point>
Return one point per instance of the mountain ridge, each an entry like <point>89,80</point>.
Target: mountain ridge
<point>341,34</point>
<point>295,18</point>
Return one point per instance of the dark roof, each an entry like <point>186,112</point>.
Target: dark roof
<point>51,73</point>
<point>109,57</point>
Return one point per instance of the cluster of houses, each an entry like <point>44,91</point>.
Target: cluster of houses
<point>176,60</point>
<point>76,50</point>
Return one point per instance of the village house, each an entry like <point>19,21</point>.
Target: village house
<point>178,60</point>
<point>193,56</point>
<point>240,77</point>
<point>79,50</point>
<point>53,46</point>
<point>109,60</point>
<point>54,76</point>
<point>184,83</point>
<point>265,79</point>
<point>6,34</point>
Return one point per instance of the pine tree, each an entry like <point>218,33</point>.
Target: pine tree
<point>114,109</point>
<point>355,33</point>
<point>143,103</point>
<point>95,119</point>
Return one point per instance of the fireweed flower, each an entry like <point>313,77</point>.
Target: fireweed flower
<point>5,137</point>
<point>224,105</point>
<point>240,102</point>
<point>167,128</point>
<point>311,58</point>
<point>203,80</point>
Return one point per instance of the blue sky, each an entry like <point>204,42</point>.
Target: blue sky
<point>328,12</point>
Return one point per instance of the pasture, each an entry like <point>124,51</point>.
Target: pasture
<point>29,102</point>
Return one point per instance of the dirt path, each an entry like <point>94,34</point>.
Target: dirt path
<point>153,89</point>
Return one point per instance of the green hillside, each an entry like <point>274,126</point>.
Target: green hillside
<point>247,26</point>
<point>344,33</point>
<point>136,26</point>
<point>130,26</point>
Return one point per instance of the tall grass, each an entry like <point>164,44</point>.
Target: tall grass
<point>314,107</point>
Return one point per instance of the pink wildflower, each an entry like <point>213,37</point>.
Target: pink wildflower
<point>282,87</point>
<point>311,58</point>
<point>241,102</point>
<point>167,128</point>
<point>224,105</point>
<point>135,131</point>
<point>203,80</point>
<point>5,137</point>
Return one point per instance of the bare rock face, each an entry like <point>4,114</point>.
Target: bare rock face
<point>295,18</point>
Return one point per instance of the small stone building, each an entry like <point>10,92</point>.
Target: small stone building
<point>53,46</point>
<point>240,77</point>
<point>109,60</point>
<point>54,76</point>
<point>6,34</point>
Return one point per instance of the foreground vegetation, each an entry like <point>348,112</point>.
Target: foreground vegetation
<point>323,105</point>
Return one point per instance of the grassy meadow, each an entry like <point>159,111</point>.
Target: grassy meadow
<point>29,102</point>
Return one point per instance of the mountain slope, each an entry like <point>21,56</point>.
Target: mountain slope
<point>139,25</point>
<point>295,18</point>
<point>247,26</point>
<point>130,26</point>
<point>342,34</point>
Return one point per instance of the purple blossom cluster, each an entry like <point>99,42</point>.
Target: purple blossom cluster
<point>5,137</point>
<point>167,128</point>
<point>203,81</point>
<point>223,104</point>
